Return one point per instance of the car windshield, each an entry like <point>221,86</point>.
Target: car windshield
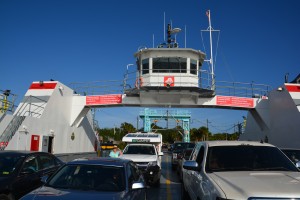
<point>293,154</point>
<point>135,149</point>
<point>187,153</point>
<point>89,177</point>
<point>247,158</point>
<point>8,164</point>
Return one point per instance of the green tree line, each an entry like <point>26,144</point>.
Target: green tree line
<point>169,135</point>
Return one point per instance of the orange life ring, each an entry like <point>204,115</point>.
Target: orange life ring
<point>139,82</point>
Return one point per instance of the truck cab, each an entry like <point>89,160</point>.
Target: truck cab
<point>145,149</point>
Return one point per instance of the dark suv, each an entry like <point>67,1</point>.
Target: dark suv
<point>178,148</point>
<point>21,171</point>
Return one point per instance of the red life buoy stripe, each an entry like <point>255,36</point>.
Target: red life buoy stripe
<point>139,82</point>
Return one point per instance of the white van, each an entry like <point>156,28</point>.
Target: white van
<point>145,149</point>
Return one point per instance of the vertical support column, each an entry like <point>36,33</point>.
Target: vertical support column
<point>147,121</point>
<point>147,124</point>
<point>186,129</point>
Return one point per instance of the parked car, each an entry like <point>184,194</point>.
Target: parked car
<point>164,146</point>
<point>240,170</point>
<point>170,147</point>
<point>105,149</point>
<point>182,157</point>
<point>21,171</point>
<point>147,158</point>
<point>93,178</point>
<point>178,148</point>
<point>293,154</point>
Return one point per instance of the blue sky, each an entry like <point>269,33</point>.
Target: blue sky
<point>91,40</point>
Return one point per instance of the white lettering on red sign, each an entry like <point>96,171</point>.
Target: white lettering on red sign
<point>104,99</point>
<point>235,101</point>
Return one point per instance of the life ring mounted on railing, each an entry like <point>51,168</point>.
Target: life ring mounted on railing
<point>139,82</point>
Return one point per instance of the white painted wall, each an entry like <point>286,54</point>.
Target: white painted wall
<point>55,120</point>
<point>282,118</point>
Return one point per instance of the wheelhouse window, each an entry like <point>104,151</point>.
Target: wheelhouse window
<point>193,67</point>
<point>169,65</point>
<point>145,66</point>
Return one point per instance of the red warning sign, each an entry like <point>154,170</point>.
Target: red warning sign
<point>235,101</point>
<point>169,81</point>
<point>104,99</point>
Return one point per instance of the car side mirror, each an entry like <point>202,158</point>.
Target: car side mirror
<point>298,164</point>
<point>191,165</point>
<point>138,185</point>
<point>160,153</point>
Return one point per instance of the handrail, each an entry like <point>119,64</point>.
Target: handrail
<point>34,111</point>
<point>6,104</point>
<point>33,108</point>
<point>131,78</point>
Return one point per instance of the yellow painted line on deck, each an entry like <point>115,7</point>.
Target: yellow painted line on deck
<point>168,182</point>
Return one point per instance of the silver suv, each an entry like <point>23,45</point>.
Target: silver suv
<point>240,170</point>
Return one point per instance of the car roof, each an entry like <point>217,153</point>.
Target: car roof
<point>235,143</point>
<point>182,142</point>
<point>21,152</point>
<point>289,149</point>
<point>140,144</point>
<point>118,162</point>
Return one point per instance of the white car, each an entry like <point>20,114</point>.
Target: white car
<point>147,158</point>
<point>240,170</point>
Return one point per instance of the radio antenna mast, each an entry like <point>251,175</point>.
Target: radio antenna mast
<point>211,60</point>
<point>164,27</point>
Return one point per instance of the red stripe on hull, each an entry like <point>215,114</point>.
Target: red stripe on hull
<point>42,86</point>
<point>293,88</point>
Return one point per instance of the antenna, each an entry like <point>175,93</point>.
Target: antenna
<point>211,52</point>
<point>153,41</point>
<point>164,27</point>
<point>210,29</point>
<point>185,36</point>
<point>170,42</point>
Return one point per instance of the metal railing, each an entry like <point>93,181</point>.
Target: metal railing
<point>10,131</point>
<point>32,106</point>
<point>27,109</point>
<point>131,81</point>
<point>98,87</point>
<point>7,100</point>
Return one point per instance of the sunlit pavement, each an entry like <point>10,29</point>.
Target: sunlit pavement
<point>170,186</point>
